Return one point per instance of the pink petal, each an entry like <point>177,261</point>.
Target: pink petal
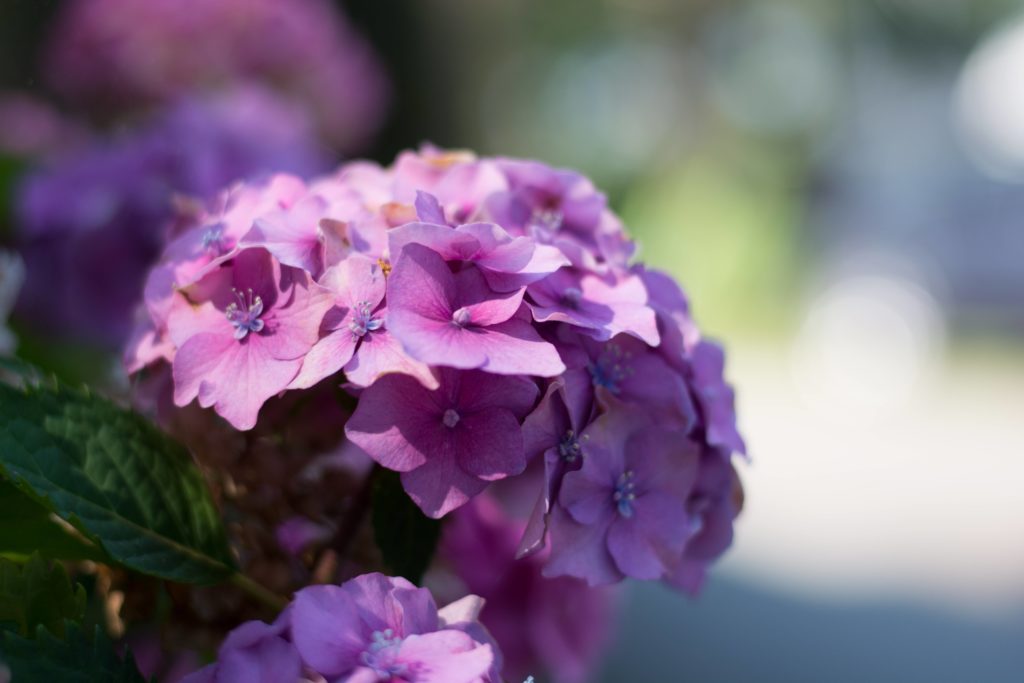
<point>236,378</point>
<point>379,354</point>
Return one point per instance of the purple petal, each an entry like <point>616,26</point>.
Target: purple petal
<point>440,485</point>
<point>646,545</point>
<point>326,358</point>
<point>399,424</point>
<point>428,209</point>
<point>449,243</point>
<point>327,630</point>
<point>292,235</point>
<point>489,444</point>
<point>580,550</point>
<point>380,353</point>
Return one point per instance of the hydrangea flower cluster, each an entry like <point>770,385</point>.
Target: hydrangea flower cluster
<point>106,201</point>
<point>487,315</point>
<point>113,55</point>
<point>370,629</point>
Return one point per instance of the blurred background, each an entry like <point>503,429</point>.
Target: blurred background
<point>838,185</point>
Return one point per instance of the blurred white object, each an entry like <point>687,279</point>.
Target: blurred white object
<point>12,274</point>
<point>868,344</point>
<point>990,103</point>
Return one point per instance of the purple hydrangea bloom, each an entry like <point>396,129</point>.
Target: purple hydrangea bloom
<point>450,442</point>
<point>623,513</point>
<point>451,301</point>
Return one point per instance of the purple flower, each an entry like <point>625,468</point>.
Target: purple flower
<point>507,262</point>
<point>254,651</point>
<point>372,629</point>
<point>627,369</point>
<point>242,334</point>
<point>623,513</point>
<point>716,500</point>
<point>455,319</point>
<point>375,628</point>
<point>562,208</point>
<point>118,55</point>
<point>601,306</point>
<point>715,397</point>
<point>356,337</point>
<point>448,443</point>
<point>555,430</point>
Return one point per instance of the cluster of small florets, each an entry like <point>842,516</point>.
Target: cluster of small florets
<point>486,314</point>
<point>372,628</point>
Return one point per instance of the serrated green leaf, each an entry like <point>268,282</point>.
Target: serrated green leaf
<point>27,526</point>
<point>38,594</point>
<point>118,479</point>
<point>73,659</point>
<point>406,537</point>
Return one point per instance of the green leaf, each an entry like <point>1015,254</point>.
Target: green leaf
<point>406,537</point>
<point>27,526</point>
<point>116,478</point>
<point>75,659</point>
<point>38,594</point>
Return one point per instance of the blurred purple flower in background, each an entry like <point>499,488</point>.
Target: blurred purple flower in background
<point>116,55</point>
<point>99,214</point>
<point>559,626</point>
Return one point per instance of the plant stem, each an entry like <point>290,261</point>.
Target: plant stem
<point>261,593</point>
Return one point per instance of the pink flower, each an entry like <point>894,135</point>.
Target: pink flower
<point>357,338</point>
<point>242,333</point>
<point>455,319</point>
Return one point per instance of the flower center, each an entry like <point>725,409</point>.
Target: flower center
<point>245,313</point>
<point>213,239</point>
<point>451,418</point>
<point>547,218</point>
<point>569,447</point>
<point>571,297</point>
<point>461,317</point>
<point>610,369</point>
<point>381,655</point>
<point>624,495</point>
<point>363,320</point>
